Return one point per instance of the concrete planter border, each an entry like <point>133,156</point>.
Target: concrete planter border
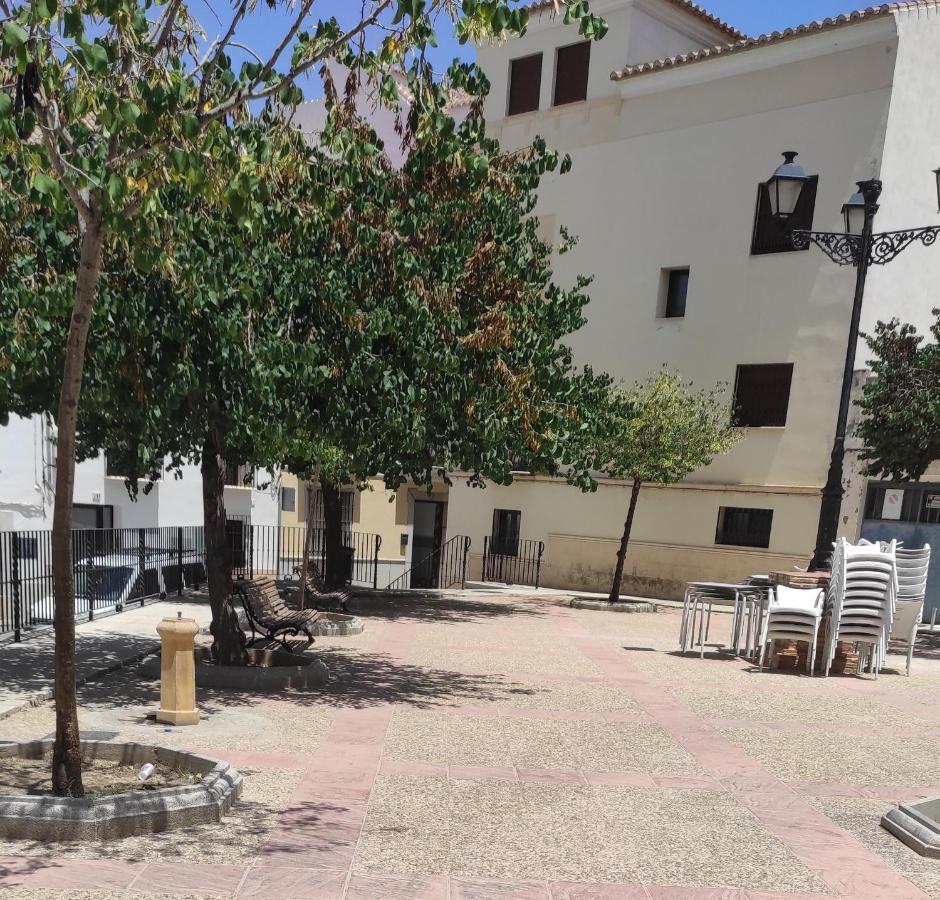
<point>334,624</point>
<point>917,825</point>
<point>284,672</point>
<point>623,606</point>
<point>45,818</point>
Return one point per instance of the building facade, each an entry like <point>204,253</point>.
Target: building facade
<point>673,121</point>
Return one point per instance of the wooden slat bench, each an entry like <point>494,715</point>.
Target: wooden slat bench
<point>269,617</point>
<point>319,593</point>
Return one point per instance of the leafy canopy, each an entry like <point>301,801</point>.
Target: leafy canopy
<point>901,402</point>
<point>662,430</point>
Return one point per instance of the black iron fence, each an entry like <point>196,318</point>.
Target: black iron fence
<point>443,568</point>
<point>524,566</point>
<point>115,567</point>
<point>275,550</point>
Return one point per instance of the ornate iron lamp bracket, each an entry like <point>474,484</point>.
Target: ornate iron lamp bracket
<point>886,246</point>
<point>844,249</point>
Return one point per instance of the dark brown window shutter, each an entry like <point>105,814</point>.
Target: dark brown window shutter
<point>571,73</point>
<point>525,84</point>
<point>771,236</point>
<point>762,395</point>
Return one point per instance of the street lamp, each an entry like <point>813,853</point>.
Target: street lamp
<point>786,185</point>
<point>858,246</point>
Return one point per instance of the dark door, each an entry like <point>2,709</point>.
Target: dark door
<point>428,539</point>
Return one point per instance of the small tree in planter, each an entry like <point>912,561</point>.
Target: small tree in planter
<point>660,432</point>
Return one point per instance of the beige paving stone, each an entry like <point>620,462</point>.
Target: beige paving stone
<point>572,833</point>
<point>863,759</point>
<point>536,743</point>
<point>797,701</point>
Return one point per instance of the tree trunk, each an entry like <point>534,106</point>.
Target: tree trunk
<point>335,560</point>
<point>67,753</point>
<point>308,544</point>
<point>228,640</point>
<point>624,542</point>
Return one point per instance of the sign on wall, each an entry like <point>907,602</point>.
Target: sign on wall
<point>893,502</point>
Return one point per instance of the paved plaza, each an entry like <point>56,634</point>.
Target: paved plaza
<point>483,746</point>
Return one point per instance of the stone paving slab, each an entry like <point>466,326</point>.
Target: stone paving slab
<point>475,746</point>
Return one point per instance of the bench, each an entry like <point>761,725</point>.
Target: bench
<point>319,593</point>
<point>269,618</point>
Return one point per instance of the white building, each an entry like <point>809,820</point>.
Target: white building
<point>673,121</point>
<point>101,500</point>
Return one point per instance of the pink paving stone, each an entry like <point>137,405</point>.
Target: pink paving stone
<point>620,779</point>
<point>76,874</point>
<point>552,776</point>
<point>570,890</point>
<point>294,884</point>
<point>481,773</point>
<point>414,769</point>
<point>686,893</point>
<point>686,783</point>
<point>485,889</point>
<point>395,887</point>
<point>189,879</point>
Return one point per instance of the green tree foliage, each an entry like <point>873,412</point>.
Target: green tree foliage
<point>661,431</point>
<point>104,103</point>
<point>901,402</point>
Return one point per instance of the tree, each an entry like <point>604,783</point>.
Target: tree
<point>901,402</point>
<point>101,104</point>
<point>461,365</point>
<point>660,431</point>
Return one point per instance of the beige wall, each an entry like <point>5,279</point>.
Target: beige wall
<point>665,173</point>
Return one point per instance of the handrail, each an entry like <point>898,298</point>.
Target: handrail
<point>451,565</point>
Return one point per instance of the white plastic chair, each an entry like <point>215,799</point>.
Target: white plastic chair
<point>793,614</point>
<point>862,598</point>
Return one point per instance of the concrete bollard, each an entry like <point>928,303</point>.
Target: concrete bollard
<point>178,671</point>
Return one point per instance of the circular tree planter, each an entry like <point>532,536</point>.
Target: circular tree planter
<point>267,670</point>
<point>47,818</point>
<point>334,624</point>
<point>621,606</point>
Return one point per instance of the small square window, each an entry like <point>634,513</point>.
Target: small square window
<point>677,288</point>
<point>744,527</point>
<point>571,73</point>
<point>762,395</point>
<point>288,499</point>
<point>525,84</point>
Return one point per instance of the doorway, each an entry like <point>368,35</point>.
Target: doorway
<point>429,518</point>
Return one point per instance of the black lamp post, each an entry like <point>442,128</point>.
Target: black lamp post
<point>861,247</point>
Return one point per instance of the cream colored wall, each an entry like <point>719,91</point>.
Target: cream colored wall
<point>665,174</point>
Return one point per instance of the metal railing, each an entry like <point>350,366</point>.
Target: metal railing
<point>441,569</point>
<point>524,566</point>
<point>276,549</point>
<point>115,567</point>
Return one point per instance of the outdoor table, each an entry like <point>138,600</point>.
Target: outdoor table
<point>741,597</point>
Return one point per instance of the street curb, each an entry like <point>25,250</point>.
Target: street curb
<point>48,694</point>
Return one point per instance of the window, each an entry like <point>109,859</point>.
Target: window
<point>762,395</point>
<point>677,287</point>
<point>571,73</point>
<point>771,236</point>
<point>525,84</point>
<point>506,525</point>
<point>288,499</point>
<point>903,503</point>
<point>347,501</point>
<point>238,474</point>
<point>743,527</point>
<point>25,547</point>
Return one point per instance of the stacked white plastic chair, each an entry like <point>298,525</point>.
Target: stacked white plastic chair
<point>793,614</point>
<point>912,568</point>
<point>862,597</point>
